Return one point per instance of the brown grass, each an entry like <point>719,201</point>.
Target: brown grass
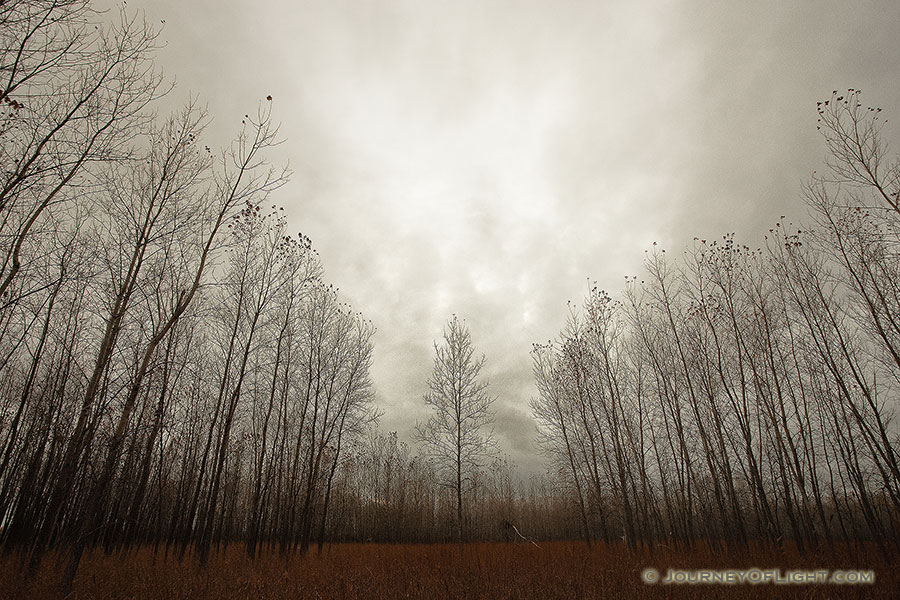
<point>488,571</point>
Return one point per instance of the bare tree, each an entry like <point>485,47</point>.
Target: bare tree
<point>455,438</point>
<point>73,95</point>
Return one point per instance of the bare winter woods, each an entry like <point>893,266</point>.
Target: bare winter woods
<point>174,366</point>
<point>175,369</point>
<point>176,372</point>
<point>738,394</point>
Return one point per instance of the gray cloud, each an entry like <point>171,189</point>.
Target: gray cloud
<point>487,158</point>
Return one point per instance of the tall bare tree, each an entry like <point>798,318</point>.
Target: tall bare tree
<point>455,438</point>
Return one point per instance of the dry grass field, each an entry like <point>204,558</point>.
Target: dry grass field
<point>485,571</point>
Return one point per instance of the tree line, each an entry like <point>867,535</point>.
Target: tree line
<point>739,395</point>
<point>174,369</point>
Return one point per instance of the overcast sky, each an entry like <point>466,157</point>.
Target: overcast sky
<point>486,158</point>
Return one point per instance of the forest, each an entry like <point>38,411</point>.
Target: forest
<point>181,386</point>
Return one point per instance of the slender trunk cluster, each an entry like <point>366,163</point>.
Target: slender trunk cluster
<point>745,395</point>
<point>173,369</point>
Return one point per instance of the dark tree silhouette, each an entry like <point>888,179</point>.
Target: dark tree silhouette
<point>455,438</point>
